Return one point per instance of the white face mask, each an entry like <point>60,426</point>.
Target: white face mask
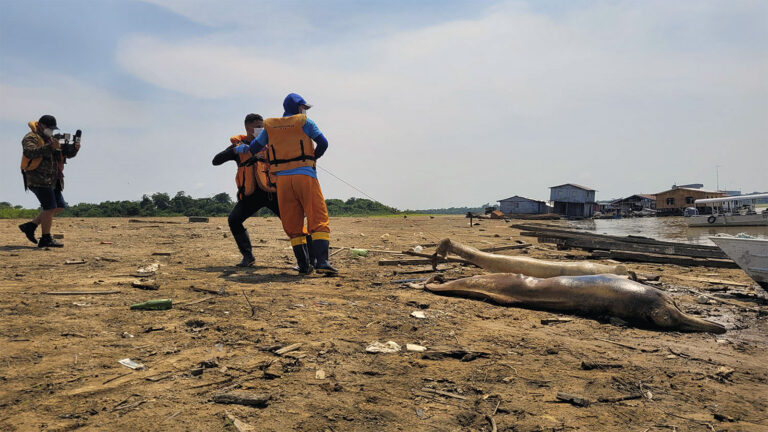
<point>48,132</point>
<point>257,131</point>
<point>302,110</point>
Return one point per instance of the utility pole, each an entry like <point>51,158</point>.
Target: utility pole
<point>717,173</point>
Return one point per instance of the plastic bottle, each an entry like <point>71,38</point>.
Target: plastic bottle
<point>161,304</point>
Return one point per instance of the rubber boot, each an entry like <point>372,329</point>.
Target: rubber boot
<point>243,241</point>
<point>311,251</point>
<point>29,229</point>
<point>321,254</point>
<point>302,258</point>
<point>47,241</point>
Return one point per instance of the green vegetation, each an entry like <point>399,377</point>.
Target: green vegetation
<point>161,204</point>
<point>8,211</point>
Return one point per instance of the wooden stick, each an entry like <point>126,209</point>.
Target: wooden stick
<point>649,350</point>
<point>80,292</point>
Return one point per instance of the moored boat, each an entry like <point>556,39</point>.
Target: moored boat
<point>730,211</point>
<point>750,254</point>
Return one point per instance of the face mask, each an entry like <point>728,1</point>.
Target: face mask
<point>257,131</point>
<point>48,132</point>
<point>302,110</point>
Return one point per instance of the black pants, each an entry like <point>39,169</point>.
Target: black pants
<point>250,205</point>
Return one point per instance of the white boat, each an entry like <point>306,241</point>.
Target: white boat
<point>750,254</point>
<point>730,211</point>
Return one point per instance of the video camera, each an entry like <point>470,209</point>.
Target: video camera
<point>68,146</point>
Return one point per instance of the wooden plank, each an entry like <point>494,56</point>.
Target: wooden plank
<point>420,261</point>
<point>610,244</point>
<point>80,292</point>
<point>670,259</point>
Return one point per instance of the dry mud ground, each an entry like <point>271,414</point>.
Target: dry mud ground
<point>59,354</point>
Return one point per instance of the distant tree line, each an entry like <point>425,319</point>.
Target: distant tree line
<point>181,204</point>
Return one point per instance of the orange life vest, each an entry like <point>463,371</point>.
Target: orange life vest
<point>248,178</point>
<point>28,164</point>
<point>289,146</point>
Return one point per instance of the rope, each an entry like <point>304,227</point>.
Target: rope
<point>434,237</point>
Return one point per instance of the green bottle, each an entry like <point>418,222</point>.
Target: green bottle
<point>161,304</point>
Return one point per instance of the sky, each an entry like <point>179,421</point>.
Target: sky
<point>425,104</point>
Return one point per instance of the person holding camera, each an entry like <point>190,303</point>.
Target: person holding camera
<point>42,166</point>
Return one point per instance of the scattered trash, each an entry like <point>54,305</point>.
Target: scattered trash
<point>239,426</point>
<point>417,248</point>
<point>74,261</point>
<point>572,399</point>
<point>146,285</point>
<point>160,304</point>
<point>419,314</point>
<point>320,374</point>
<point>724,373</point>
<point>358,252</point>
<point>126,335</point>
<point>81,304</point>
<point>385,348</point>
<point>242,398</point>
<point>148,269</point>
<point>385,237</point>
<point>106,242</point>
<point>131,364</point>
<point>415,348</point>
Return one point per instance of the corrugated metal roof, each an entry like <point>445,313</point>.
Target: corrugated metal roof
<point>688,189</point>
<point>518,196</point>
<point>574,185</point>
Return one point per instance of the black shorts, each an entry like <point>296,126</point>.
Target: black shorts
<point>49,198</point>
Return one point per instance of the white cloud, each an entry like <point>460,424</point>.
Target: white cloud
<point>509,102</point>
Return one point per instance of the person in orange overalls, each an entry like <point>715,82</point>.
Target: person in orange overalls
<point>292,158</point>
<point>253,194</point>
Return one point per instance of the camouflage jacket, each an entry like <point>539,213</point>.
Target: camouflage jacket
<point>50,172</point>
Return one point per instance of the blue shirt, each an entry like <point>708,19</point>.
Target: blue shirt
<point>309,128</point>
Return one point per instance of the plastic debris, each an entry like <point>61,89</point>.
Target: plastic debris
<point>415,348</point>
<point>320,374</point>
<point>131,364</point>
<point>419,314</point>
<point>161,304</point>
<point>385,237</point>
<point>358,252</point>
<point>385,348</point>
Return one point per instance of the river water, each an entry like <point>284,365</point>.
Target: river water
<point>664,228</point>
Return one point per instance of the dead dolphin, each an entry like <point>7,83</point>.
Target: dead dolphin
<point>589,295</point>
<point>523,265</point>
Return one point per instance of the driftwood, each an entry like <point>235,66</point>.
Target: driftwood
<point>80,292</point>
<point>573,399</point>
<point>592,241</point>
<point>198,219</point>
<point>287,349</point>
<point>423,261</point>
<point>589,365</point>
<point>242,398</point>
<point>620,398</point>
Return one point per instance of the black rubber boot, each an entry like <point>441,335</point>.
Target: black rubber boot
<point>243,241</point>
<point>47,241</point>
<point>29,229</point>
<point>311,252</point>
<point>302,258</point>
<point>322,265</point>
